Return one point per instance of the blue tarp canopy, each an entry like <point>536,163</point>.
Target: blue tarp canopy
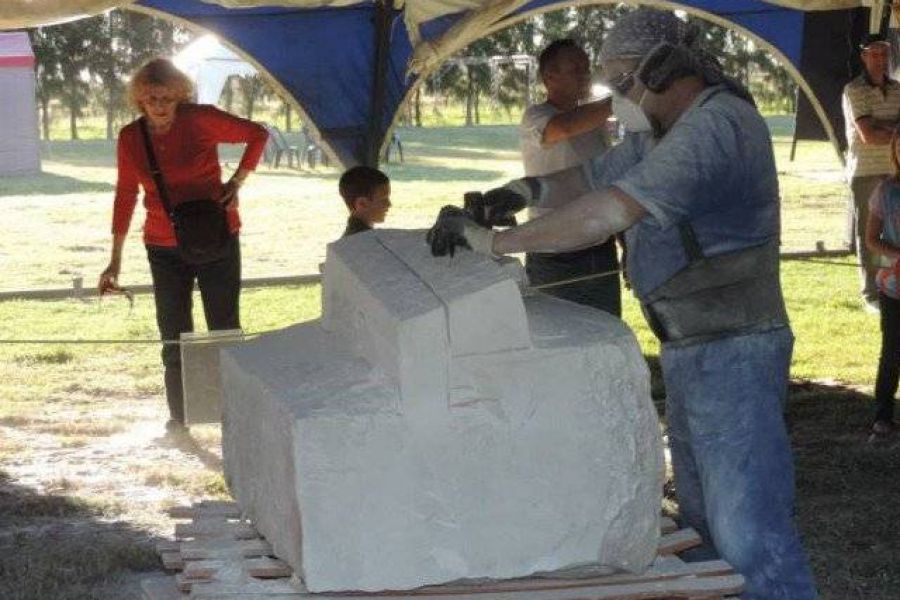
<point>350,65</point>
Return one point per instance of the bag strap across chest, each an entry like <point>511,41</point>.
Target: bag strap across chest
<point>155,171</point>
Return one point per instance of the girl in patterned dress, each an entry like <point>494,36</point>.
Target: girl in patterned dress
<point>883,238</point>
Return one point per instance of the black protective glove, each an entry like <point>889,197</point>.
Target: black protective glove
<point>455,228</point>
<point>501,204</point>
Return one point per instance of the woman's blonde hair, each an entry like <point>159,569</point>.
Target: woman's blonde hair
<point>162,72</point>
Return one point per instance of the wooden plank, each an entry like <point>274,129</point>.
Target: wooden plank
<point>276,588</point>
<point>667,589</point>
<point>180,512</point>
<point>217,548</point>
<point>267,568</point>
<point>183,584</point>
<point>664,567</point>
<point>206,510</point>
<point>258,596</point>
<point>172,561</point>
<point>225,508</point>
<point>203,570</point>
<point>263,568</point>
<point>216,528</point>
<point>167,546</point>
<point>668,525</point>
<point>160,588</point>
<point>681,540</point>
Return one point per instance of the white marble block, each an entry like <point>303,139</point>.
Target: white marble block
<point>435,425</point>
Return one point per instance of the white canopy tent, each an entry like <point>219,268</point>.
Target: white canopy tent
<point>20,152</point>
<point>209,64</point>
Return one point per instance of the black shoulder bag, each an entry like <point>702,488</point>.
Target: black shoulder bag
<point>201,226</point>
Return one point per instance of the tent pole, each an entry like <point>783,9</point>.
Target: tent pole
<point>384,10</point>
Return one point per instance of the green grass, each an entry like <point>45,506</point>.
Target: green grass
<point>73,374</point>
<point>59,220</point>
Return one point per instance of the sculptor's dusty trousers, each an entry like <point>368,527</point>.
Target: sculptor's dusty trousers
<point>731,455</point>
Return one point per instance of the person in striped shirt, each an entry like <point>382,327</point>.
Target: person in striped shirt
<point>871,105</point>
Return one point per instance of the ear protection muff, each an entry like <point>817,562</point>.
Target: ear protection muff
<point>664,64</point>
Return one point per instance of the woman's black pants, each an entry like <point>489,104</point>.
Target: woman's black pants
<point>889,363</point>
<point>173,285</point>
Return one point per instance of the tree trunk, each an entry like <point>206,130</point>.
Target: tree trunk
<point>73,123</point>
<point>418,107</point>
<point>45,117</point>
<point>110,114</point>
<point>229,96</point>
<point>477,103</point>
<point>288,114</point>
<point>528,75</point>
<point>470,88</point>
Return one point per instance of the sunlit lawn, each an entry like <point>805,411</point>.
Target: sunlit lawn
<point>58,222</point>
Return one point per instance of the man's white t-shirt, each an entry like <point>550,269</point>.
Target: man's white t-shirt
<point>542,159</point>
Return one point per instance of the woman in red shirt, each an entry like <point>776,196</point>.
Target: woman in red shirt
<point>184,137</point>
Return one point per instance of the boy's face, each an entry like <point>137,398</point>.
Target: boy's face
<point>374,208</point>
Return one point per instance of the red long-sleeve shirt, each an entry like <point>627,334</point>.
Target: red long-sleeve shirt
<point>188,157</point>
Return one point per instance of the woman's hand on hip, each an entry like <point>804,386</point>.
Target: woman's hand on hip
<point>229,197</point>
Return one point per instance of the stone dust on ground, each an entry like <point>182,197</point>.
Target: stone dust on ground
<point>134,474</point>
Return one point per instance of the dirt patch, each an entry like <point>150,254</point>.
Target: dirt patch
<point>83,517</point>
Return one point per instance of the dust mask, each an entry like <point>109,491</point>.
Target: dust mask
<point>630,114</point>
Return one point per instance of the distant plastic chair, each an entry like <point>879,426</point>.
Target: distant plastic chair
<point>395,141</point>
<point>278,146</point>
<point>311,152</point>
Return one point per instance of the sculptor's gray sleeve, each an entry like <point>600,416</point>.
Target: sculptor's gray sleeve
<point>603,170</point>
<point>583,222</point>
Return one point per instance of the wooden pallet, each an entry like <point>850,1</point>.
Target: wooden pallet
<point>219,556</point>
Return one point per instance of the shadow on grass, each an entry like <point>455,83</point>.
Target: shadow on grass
<point>437,174</point>
<point>56,546</point>
<point>421,150</point>
<point>49,184</point>
<point>847,488</point>
<point>185,442</point>
<point>482,137</point>
<point>80,153</point>
<point>300,173</point>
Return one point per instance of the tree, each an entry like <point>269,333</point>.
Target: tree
<point>48,75</point>
<point>76,42</point>
<point>769,82</point>
<point>148,37</point>
<point>145,37</point>
<point>252,89</point>
<point>110,64</point>
<point>470,75</point>
<point>287,111</point>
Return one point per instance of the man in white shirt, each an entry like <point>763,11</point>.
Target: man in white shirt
<point>558,134</point>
